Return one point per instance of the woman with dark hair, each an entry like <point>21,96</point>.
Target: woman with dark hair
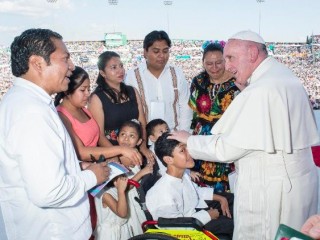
<point>211,93</point>
<point>83,129</point>
<point>112,103</point>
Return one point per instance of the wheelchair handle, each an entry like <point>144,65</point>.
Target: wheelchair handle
<point>133,183</point>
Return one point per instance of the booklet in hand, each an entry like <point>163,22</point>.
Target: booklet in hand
<point>116,170</point>
<point>286,233</point>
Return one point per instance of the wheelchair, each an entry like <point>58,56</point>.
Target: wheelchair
<point>169,228</point>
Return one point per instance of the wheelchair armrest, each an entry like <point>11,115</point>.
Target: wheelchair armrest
<point>185,222</point>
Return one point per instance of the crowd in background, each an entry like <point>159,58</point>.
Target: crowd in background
<point>302,58</point>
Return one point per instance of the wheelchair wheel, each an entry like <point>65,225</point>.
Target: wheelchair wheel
<point>153,236</point>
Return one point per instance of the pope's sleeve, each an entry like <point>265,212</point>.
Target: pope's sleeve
<point>213,148</point>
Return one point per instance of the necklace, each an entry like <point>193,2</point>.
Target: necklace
<point>214,91</point>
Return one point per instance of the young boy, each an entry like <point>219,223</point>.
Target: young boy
<point>180,197</point>
<point>155,128</point>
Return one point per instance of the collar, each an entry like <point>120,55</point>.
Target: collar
<point>259,70</point>
<point>143,66</point>
<point>175,180</point>
<point>35,89</point>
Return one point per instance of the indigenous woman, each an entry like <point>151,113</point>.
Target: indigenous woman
<point>211,93</point>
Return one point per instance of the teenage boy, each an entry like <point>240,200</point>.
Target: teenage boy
<point>155,128</point>
<point>180,197</point>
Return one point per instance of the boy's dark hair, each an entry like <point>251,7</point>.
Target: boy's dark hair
<point>152,124</point>
<point>155,36</point>
<point>37,42</point>
<point>165,147</point>
<point>134,124</point>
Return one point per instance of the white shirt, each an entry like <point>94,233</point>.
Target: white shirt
<point>161,90</point>
<point>178,198</point>
<point>43,192</point>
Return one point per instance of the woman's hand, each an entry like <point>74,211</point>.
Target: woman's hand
<point>147,153</point>
<point>147,169</point>
<point>133,154</point>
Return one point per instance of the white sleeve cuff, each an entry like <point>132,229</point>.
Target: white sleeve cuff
<point>89,179</point>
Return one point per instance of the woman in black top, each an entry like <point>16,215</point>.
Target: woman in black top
<point>113,102</point>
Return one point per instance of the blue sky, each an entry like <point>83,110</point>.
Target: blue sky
<point>281,20</point>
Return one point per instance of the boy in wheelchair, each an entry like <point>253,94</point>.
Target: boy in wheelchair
<point>175,195</point>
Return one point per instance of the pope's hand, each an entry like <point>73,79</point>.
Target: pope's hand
<point>180,136</point>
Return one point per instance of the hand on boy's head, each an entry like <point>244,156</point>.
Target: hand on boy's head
<point>180,136</point>
<point>214,213</point>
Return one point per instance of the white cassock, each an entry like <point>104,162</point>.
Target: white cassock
<point>267,131</point>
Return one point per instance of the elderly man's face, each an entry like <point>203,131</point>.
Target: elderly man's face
<point>237,59</point>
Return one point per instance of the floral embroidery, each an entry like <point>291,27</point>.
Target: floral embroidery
<point>225,102</point>
<point>208,102</point>
<point>204,103</point>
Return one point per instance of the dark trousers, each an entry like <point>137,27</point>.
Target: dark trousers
<point>223,226</point>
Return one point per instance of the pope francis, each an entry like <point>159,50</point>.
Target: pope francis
<point>267,131</point>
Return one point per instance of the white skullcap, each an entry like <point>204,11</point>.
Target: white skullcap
<point>248,36</point>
